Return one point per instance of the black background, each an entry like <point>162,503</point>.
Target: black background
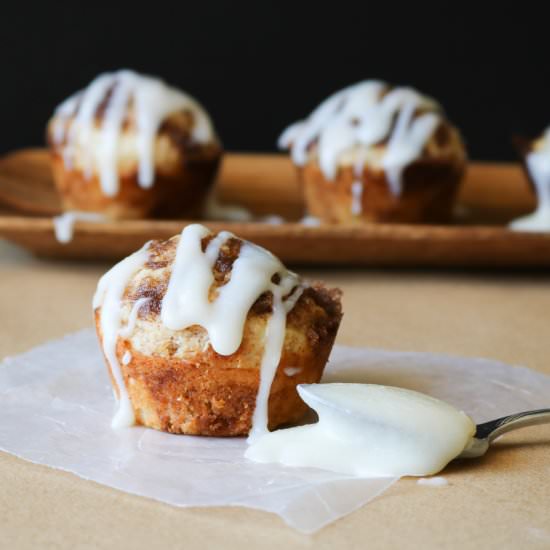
<point>259,66</point>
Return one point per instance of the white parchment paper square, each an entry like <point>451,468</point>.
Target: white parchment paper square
<point>57,405</point>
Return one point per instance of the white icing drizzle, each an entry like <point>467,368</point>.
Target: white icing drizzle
<point>357,185</point>
<point>126,358</point>
<point>369,431</point>
<point>64,224</point>
<point>363,116</point>
<point>108,296</point>
<point>152,101</point>
<point>538,164</point>
<point>188,302</point>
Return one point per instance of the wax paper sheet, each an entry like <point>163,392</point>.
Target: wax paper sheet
<point>57,404</point>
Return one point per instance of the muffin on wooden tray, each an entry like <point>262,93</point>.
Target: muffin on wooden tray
<point>208,334</point>
<point>536,158</point>
<point>377,153</point>
<point>130,146</point>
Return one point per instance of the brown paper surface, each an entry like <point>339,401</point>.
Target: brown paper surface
<point>502,500</point>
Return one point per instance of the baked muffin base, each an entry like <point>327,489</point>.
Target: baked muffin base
<point>180,192</point>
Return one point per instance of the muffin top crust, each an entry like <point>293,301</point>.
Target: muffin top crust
<point>377,125</point>
<point>148,288</point>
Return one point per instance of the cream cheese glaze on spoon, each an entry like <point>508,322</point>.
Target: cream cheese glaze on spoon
<point>369,431</point>
<point>187,302</point>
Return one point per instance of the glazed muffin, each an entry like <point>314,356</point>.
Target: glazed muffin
<point>377,153</point>
<point>209,335</point>
<point>536,158</point>
<point>130,146</point>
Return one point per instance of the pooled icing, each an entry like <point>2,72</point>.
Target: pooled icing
<point>364,115</point>
<point>538,164</point>
<point>188,301</point>
<point>367,430</point>
<point>216,210</point>
<point>356,197</point>
<point>433,481</point>
<point>310,221</point>
<point>74,123</point>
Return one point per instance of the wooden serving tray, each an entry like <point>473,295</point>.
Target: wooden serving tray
<point>492,195</point>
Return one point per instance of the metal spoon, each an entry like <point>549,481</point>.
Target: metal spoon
<point>487,432</point>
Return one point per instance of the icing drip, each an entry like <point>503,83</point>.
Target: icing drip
<point>538,164</point>
<point>64,224</point>
<point>406,142</point>
<point>356,197</point>
<point>369,431</point>
<point>152,102</point>
<point>357,185</point>
<point>108,296</point>
<point>127,331</point>
<point>126,358</point>
<point>186,301</point>
<point>363,115</point>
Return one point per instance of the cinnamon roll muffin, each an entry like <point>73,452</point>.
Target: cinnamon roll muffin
<point>377,153</point>
<point>536,158</point>
<point>130,146</point>
<point>208,334</point>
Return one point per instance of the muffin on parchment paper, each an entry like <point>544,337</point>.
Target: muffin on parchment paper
<point>130,146</point>
<point>377,153</point>
<point>208,334</point>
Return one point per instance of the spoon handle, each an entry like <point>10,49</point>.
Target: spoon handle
<point>492,429</point>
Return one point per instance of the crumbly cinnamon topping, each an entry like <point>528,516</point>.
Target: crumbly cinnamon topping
<point>153,284</point>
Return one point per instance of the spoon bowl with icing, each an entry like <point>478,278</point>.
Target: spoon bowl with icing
<point>368,430</point>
